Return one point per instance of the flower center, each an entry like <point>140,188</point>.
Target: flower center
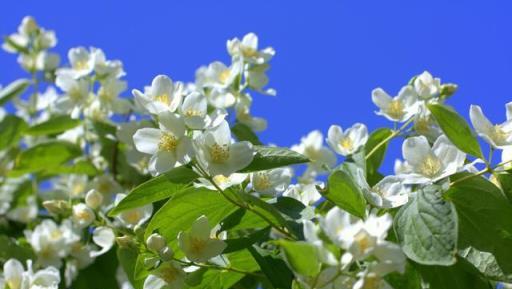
<point>168,142</point>
<point>55,234</point>
<point>249,52</point>
<point>371,281</point>
<point>219,153</point>
<point>430,166</point>
<point>395,109</point>
<point>499,135</point>
<point>346,143</point>
<point>220,179</point>
<point>262,182</point>
<point>363,241</point>
<point>132,217</point>
<point>163,98</point>
<point>193,112</point>
<point>197,245</point>
<point>81,65</point>
<point>224,76</point>
<point>169,274</point>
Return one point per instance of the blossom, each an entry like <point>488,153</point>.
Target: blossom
<point>305,193</point>
<point>429,164</point>
<point>29,33</point>
<point>399,108</point>
<point>163,95</point>
<point>499,135</point>
<point>133,217</point>
<point>218,155</point>
<point>389,192</point>
<point>169,275</point>
<point>243,114</point>
<point>17,278</point>
<point>271,182</point>
<point>347,142</point>
<point>108,95</point>
<point>221,181</point>
<point>104,237</point>
<point>168,145</point>
<point>312,147</point>
<point>247,49</point>
<point>195,112</point>
<point>197,244</point>
<point>76,94</point>
<point>426,86</point>
<point>217,75</point>
<point>82,63</point>
<point>83,216</point>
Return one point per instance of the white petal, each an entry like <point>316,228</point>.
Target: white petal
<point>414,149</point>
<point>103,237</point>
<point>481,124</point>
<point>380,98</point>
<point>172,122</point>
<point>146,140</point>
<point>153,282</point>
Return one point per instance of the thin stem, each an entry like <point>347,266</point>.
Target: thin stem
<point>216,267</point>
<point>488,169</point>
<point>387,139</point>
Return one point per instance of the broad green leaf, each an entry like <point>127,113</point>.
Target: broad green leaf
<point>11,128</point>
<point>54,125</point>
<point>273,157</point>
<point>505,180</point>
<point>161,187</point>
<point>275,270</point>
<point>485,218</point>
<point>485,263</point>
<point>14,89</point>
<point>99,275</point>
<point>344,193</point>
<point>302,257</point>
<point>456,129</point>
<point>244,133</point>
<point>375,160</point>
<point>81,167</point>
<point>426,228</point>
<point>10,248</point>
<point>46,155</point>
<point>185,207</point>
<point>293,208</point>
<point>244,242</point>
<point>461,275</point>
<point>410,279</point>
<point>128,259</point>
<point>241,219</point>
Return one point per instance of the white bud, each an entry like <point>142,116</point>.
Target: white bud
<point>156,242</point>
<point>83,215</point>
<point>93,199</point>
<point>56,207</point>
<point>28,25</point>
<point>166,254</point>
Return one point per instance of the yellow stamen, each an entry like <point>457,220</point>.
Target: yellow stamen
<point>163,98</point>
<point>168,142</point>
<point>346,143</point>
<point>81,65</point>
<point>430,166</point>
<point>395,109</point>
<point>224,76</point>
<point>219,153</point>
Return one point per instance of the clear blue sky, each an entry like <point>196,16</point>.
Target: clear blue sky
<point>330,54</point>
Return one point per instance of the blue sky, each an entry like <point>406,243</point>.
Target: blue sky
<point>330,54</point>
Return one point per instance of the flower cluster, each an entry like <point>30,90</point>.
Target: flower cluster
<point>170,187</point>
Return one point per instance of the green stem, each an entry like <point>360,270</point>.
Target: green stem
<point>216,267</point>
<point>386,140</point>
<point>488,169</point>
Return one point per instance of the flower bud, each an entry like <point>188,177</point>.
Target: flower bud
<point>448,89</point>
<point>125,241</point>
<point>150,262</point>
<point>57,207</point>
<point>83,215</point>
<point>166,254</point>
<point>28,25</point>
<point>94,199</point>
<point>156,242</point>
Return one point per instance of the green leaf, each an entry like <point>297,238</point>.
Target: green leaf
<point>375,160</point>
<point>99,275</point>
<point>427,228</point>
<point>185,207</point>
<point>344,193</point>
<point>410,279</point>
<point>81,167</point>
<point>246,241</point>
<point>461,275</point>
<point>14,89</point>
<point>273,157</point>
<point>244,133</point>
<point>11,129</point>
<point>128,259</point>
<point>54,125</point>
<point>274,269</point>
<point>505,180</point>
<point>10,248</point>
<point>456,129</point>
<point>485,217</point>
<point>485,263</point>
<point>46,155</point>
<point>161,187</point>
<point>302,257</point>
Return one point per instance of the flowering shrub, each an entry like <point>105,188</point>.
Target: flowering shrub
<point>173,189</point>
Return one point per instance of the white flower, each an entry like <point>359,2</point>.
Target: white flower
<point>257,78</point>
<point>76,94</point>
<point>24,213</point>
<point>133,217</point>
<point>399,108</point>
<point>168,145</point>
<point>499,135</point>
<point>429,164</point>
<point>29,33</point>
<point>271,182</point>
<point>389,192</point>
<point>218,155</point>
<point>163,95</point>
<point>82,63</point>
<point>427,86</point>
<point>426,125</point>
<point>106,69</point>
<point>93,199</point>
<point>83,216</point>
<point>311,231</point>
<point>17,278</point>
<point>169,275</point>
<point>104,237</point>
<point>50,242</point>
<point>109,99</point>
<point>222,181</point>
<point>197,244</point>
<point>305,193</point>
<point>312,147</point>
<point>247,49</point>
<point>156,242</point>
<point>217,75</point>
<point>221,98</point>
<point>347,142</point>
<point>243,114</point>
<point>506,157</point>
<point>195,112</point>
